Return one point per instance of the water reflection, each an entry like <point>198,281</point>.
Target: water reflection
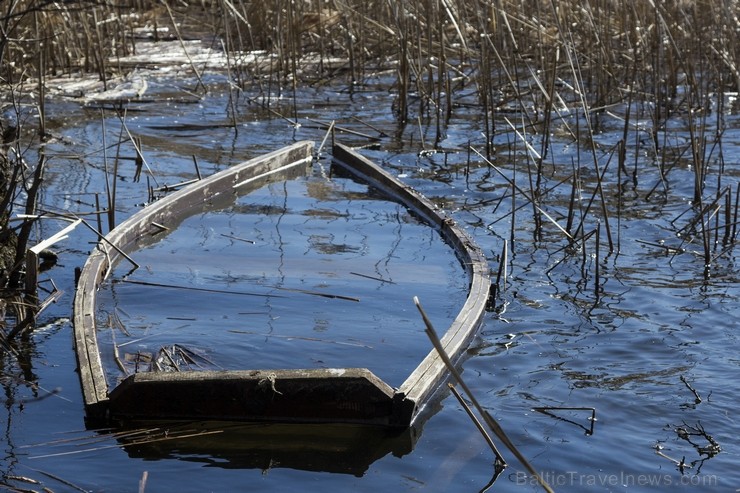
<point>325,279</point>
<point>657,318</point>
<point>16,374</point>
<point>344,449</point>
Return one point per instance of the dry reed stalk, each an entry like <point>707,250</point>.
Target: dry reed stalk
<point>229,74</point>
<point>166,436</point>
<point>329,131</point>
<point>514,189</point>
<point>142,481</point>
<point>592,419</point>
<point>499,286</point>
<point>597,263</point>
<point>490,422</point>
<point>100,41</point>
<point>98,211</point>
<point>575,193</point>
<point>176,27</point>
<point>500,461</point>
<point>735,213</point>
<point>522,192</point>
<point>61,480</point>
<point>485,93</point>
<point>110,208</point>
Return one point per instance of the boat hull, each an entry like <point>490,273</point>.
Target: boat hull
<point>336,395</point>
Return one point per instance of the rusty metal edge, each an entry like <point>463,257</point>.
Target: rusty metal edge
<point>419,387</point>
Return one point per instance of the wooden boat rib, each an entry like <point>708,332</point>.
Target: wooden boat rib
<point>335,395</point>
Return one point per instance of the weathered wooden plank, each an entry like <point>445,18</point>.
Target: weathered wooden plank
<point>90,368</point>
<point>426,378</point>
<point>212,192</point>
<point>347,395</point>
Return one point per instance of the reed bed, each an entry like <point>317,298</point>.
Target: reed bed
<point>529,69</point>
<point>543,56</point>
<point>532,71</point>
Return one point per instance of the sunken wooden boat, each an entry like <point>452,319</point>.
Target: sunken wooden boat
<point>333,395</point>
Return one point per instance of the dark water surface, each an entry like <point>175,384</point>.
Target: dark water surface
<point>321,273</point>
<point>660,325</point>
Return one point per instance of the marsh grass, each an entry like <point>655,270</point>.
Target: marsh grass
<point>548,67</point>
<point>533,71</point>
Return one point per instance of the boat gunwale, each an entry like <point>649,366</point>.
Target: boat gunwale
<point>404,404</point>
<point>146,224</point>
<point>426,378</point>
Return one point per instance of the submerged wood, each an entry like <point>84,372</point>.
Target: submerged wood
<point>418,388</point>
<point>338,395</point>
<point>142,228</point>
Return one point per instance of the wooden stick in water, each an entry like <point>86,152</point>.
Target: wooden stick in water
<point>492,424</point>
<point>243,293</point>
<point>329,131</point>
<point>500,461</point>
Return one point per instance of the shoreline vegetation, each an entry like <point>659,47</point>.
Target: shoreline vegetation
<point>542,61</point>
<point>536,75</point>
